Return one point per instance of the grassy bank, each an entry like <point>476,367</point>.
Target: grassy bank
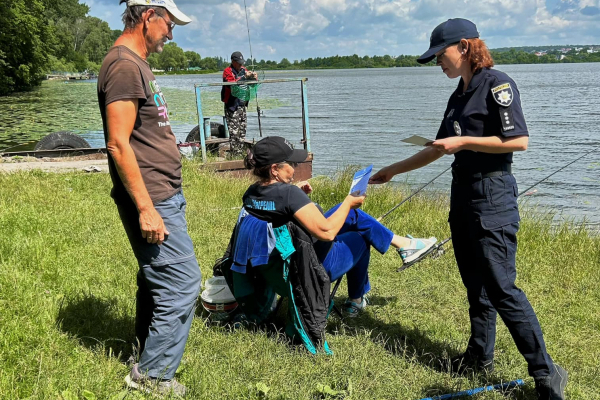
<point>67,292</point>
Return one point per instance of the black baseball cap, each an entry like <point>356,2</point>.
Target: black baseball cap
<point>237,56</point>
<point>275,149</point>
<point>447,33</point>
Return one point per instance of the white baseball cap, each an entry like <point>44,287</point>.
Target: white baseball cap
<point>178,17</point>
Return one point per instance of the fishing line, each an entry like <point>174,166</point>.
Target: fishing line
<point>439,248</point>
<point>558,170</point>
<point>252,60</point>
<point>412,195</point>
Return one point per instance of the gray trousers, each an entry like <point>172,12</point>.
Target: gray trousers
<point>168,282</point>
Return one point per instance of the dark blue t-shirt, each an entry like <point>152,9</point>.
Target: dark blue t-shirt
<point>491,106</point>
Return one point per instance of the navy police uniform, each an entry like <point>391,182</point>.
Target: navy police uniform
<point>484,218</point>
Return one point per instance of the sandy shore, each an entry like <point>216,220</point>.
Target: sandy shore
<point>93,163</point>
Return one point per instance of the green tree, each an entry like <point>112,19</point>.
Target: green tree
<point>209,63</point>
<point>172,58</point>
<point>154,61</point>
<point>193,59</point>
<point>23,50</point>
<point>97,40</point>
<point>284,63</point>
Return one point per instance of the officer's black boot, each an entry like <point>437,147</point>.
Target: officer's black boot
<point>466,363</point>
<point>552,387</point>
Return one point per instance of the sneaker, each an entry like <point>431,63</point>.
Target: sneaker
<point>416,250</point>
<point>352,309</point>
<point>466,363</point>
<point>552,387</point>
<point>136,380</point>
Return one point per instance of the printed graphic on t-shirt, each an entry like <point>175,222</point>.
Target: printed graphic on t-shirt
<point>161,104</point>
<point>264,205</point>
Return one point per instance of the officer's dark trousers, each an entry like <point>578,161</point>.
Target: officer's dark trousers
<point>484,223</point>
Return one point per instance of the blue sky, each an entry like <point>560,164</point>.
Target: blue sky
<point>298,29</point>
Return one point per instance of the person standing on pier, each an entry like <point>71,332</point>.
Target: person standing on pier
<point>483,125</point>
<point>235,108</point>
<point>145,167</point>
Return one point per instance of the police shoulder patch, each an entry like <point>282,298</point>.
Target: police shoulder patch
<point>503,94</point>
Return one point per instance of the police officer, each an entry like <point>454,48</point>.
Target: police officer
<point>483,125</point>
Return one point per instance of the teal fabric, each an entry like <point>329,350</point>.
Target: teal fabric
<point>283,242</point>
<point>258,296</point>
<point>286,248</point>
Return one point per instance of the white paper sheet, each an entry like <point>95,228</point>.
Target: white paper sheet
<point>418,140</point>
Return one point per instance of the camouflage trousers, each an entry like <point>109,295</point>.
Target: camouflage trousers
<point>236,123</point>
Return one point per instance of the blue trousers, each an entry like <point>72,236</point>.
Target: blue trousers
<point>168,282</point>
<point>351,250</point>
<point>484,223</point>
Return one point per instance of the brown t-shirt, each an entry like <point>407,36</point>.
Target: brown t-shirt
<point>124,75</point>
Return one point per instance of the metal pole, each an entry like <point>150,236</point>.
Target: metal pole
<point>207,131</point>
<point>305,124</point>
<point>226,127</point>
<point>201,123</point>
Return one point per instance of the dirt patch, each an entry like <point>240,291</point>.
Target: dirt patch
<point>89,163</point>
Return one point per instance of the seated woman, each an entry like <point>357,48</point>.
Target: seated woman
<point>343,236</point>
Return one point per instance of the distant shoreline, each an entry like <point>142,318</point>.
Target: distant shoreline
<point>275,70</point>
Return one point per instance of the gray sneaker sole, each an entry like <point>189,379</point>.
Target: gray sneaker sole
<point>416,260</point>
<point>137,386</point>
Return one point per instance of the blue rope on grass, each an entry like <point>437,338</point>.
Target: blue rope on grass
<point>471,392</point>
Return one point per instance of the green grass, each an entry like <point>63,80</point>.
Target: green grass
<point>67,305</point>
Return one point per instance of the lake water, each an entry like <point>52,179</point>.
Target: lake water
<point>359,116</point>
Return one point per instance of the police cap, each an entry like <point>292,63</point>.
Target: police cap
<point>447,33</point>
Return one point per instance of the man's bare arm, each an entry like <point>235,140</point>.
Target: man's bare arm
<point>120,120</point>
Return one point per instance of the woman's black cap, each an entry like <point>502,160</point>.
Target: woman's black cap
<point>447,33</point>
<point>274,150</point>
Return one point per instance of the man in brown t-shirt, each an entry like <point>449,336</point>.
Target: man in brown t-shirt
<point>145,168</point>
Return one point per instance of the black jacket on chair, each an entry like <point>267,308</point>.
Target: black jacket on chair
<point>308,282</point>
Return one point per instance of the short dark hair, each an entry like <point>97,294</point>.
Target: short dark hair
<point>132,16</point>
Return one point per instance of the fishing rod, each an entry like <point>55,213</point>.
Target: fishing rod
<point>438,250</point>
<point>412,195</point>
<point>558,170</point>
<point>18,145</point>
<point>471,392</point>
<point>258,112</point>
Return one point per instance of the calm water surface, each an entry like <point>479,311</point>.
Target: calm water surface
<point>359,117</point>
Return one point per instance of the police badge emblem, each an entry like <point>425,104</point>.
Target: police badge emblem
<point>457,128</point>
<point>503,94</point>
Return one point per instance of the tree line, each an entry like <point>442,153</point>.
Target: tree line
<point>42,36</point>
<point>175,59</point>
<point>39,37</point>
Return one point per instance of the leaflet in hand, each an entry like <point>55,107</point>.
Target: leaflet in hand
<point>360,181</point>
<point>418,140</point>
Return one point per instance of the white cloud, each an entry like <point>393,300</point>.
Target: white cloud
<point>315,28</point>
<point>304,23</point>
